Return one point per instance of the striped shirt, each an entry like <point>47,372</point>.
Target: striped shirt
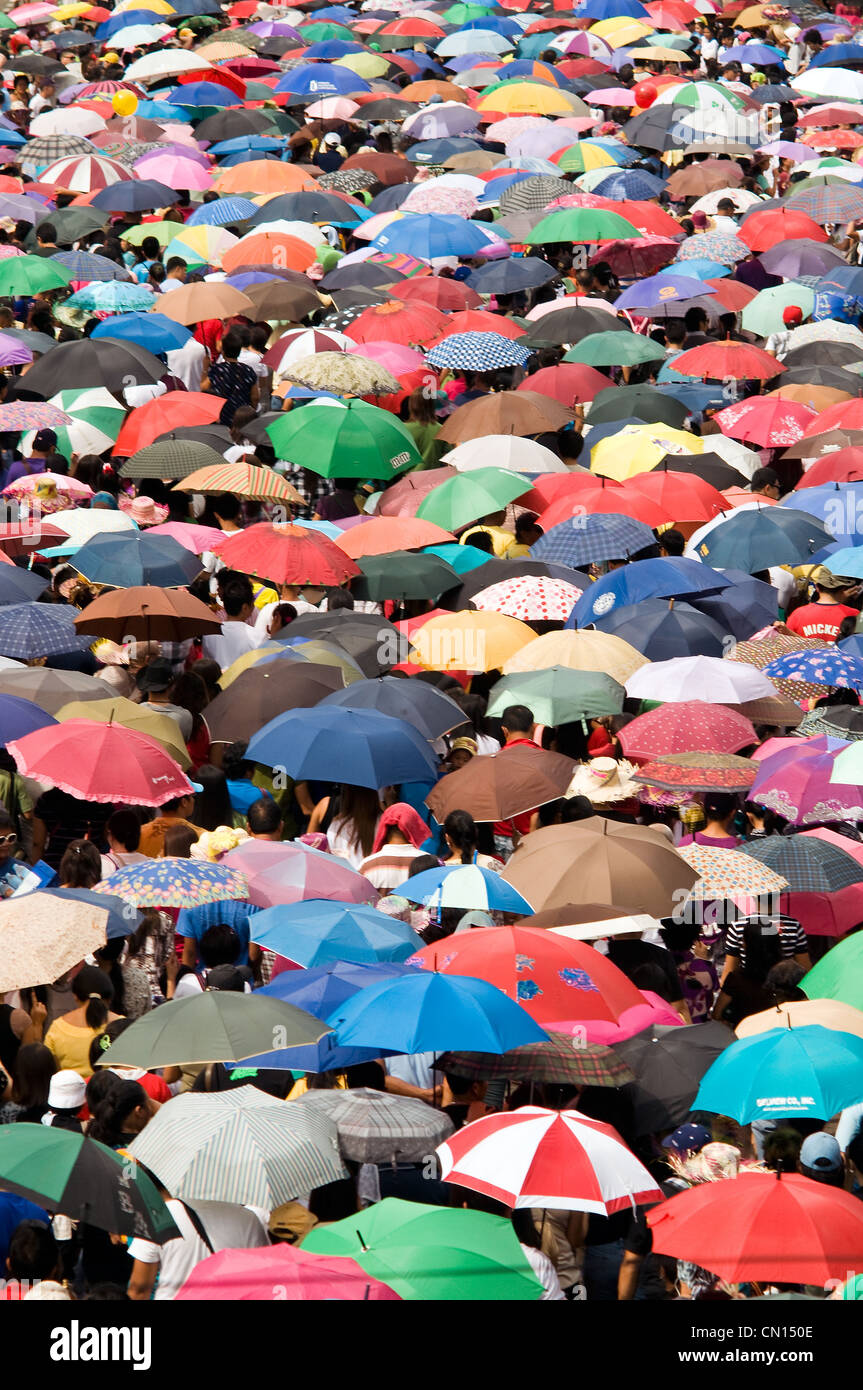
<point>390,867</point>
<point>792,937</point>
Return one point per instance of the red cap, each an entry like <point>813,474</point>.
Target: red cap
<point>792,315</point>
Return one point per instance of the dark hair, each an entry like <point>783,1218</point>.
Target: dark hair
<point>113,1110</point>
<point>235,764</point>
<point>576,808</point>
<point>763,477</point>
<point>108,957</point>
<point>236,596</point>
<point>179,840</point>
<point>33,1251</point>
<point>782,1149</point>
<point>263,816</point>
<point>219,945</point>
<point>124,827</point>
<point>517,719</point>
<point>719,805</point>
<point>81,865</point>
<point>175,263</point>
<point>101,1044</point>
<point>150,248</point>
<point>46,233</point>
<point>212,804</point>
<point>422,862</point>
<point>783,979</point>
<point>773,823</point>
<point>360,807</point>
<point>461,829</point>
<point>191,693</point>
<point>339,598</point>
<point>103,1080</point>
<point>32,1072</point>
<point>91,986</point>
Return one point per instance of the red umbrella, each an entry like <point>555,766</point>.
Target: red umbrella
<point>845,415</point>
<point>144,425</point>
<point>480,321</point>
<point>570,383</point>
<point>682,496</point>
<point>395,322</point>
<point>550,976</point>
<point>633,259</point>
<point>763,1226</point>
<point>766,421</point>
<point>101,762</point>
<point>690,726</point>
<point>447,295</point>
<point>552,486</point>
<point>736,361</point>
<point>733,295</point>
<point>649,218</point>
<point>845,466</point>
<point>381,535</point>
<point>286,554</point>
<point>762,230</point>
<point>603,500</point>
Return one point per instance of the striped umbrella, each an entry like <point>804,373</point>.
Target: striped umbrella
<point>94,421</point>
<point>374,1127</point>
<point>176,883</point>
<point>84,173</point>
<point>47,149</point>
<point>727,873</point>
<point>241,1146</point>
<point>478,352</point>
<point>248,480</point>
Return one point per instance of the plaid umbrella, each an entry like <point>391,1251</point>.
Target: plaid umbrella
<point>533,194</point>
<point>46,149</point>
<point>589,539</point>
<point>830,667</point>
<point>699,772</point>
<point>530,597</point>
<point>557,1061</point>
<point>30,630</point>
<point>175,883</point>
<point>478,352</point>
<point>810,865</point>
<point>727,873</point>
<point>829,203</point>
<point>172,458</point>
<point>760,651</point>
<point>241,1146</point>
<point>374,1127</point>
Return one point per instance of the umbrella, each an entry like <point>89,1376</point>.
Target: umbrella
<point>247,1275</point>
<point>263,692</point>
<point>601,861</point>
<point>82,1179</point>
<point>137,559</point>
<point>30,630</point>
<point>242,479</point>
<point>477,352</point>
<point>762,1226</point>
<point>361,747</point>
<point>531,598</point>
<point>289,873</point>
<point>430,711</point>
<point>469,887</point>
<point>532,1157</point>
<point>374,1127</point>
<point>590,538</point>
<point>667,577</point>
<point>379,535</point>
<point>99,762</point>
<point>728,873</point>
<point>827,667</point>
<point>344,441</point>
<point>435,1253</point>
<point>669,1063</point>
<point>287,554</point>
<point>216,1026</point>
<point>557,695</point>
<point>148,613</point>
<point>468,641</point>
<point>144,718</point>
<point>175,883</point>
<point>837,975</point>
<point>554,1061</point>
<point>801,789</point>
<point>240,1146</point>
<point>43,938</point>
<point>316,933</point>
<point>105,362</point>
<point>757,538</point>
<point>172,457</point>
<point>826,1013</point>
<point>580,651</point>
<point>402,575</point>
<point>496,788</point>
<point>686,727</point>
<point>427,1012</point>
<point>343,373</point>
<point>698,678</point>
<point>322,989</point>
<point>699,772</point>
<point>21,716</point>
<point>504,412</point>
<point>805,1071</point>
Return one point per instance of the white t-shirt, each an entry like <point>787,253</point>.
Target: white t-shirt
<point>234,641</point>
<point>228,1228</point>
<point>188,363</point>
<point>168,285</point>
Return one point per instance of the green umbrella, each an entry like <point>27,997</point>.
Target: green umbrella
<point>216,1026</point>
<point>615,350</point>
<point>763,314</point>
<point>582,225</point>
<point>354,440</point>
<point>71,224</point>
<point>429,1253</point>
<point>839,974</point>
<point>322,32</point>
<point>640,402</point>
<point>83,1179</point>
<point>402,574</point>
<point>164,232</point>
<point>97,418</point>
<point>459,14</point>
<point>25,275</point>
<point>558,695</point>
<point>171,458</point>
<point>471,495</point>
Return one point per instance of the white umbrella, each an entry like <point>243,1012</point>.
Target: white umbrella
<point>733,452</point>
<point>709,678</point>
<point>82,525</point>
<point>304,231</point>
<point>614,926</point>
<point>740,197</point>
<point>508,451</point>
<point>67,120</point>
<point>167,63</point>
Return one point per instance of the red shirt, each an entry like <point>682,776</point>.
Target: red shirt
<point>819,619</point>
<point>520,823</point>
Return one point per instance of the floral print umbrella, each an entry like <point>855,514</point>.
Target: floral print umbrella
<point>176,883</point>
<point>699,772</point>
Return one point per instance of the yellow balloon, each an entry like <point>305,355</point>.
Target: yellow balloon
<point>124,103</point>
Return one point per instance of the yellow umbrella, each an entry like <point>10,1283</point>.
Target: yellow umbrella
<point>638,448</point>
<point>41,937</point>
<point>210,243</point>
<point>164,232</point>
<point>70,11</point>
<point>754,18</point>
<point>143,718</point>
<point>364,64</point>
<point>584,650</point>
<point>321,653</point>
<point>155,6</point>
<point>220,52</point>
<point>621,30</point>
<point>469,641</point>
<point>530,98</point>
<point>829,1013</point>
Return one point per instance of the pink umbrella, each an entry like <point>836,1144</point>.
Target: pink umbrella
<point>289,872</point>
<point>613,96</point>
<point>631,1021</point>
<point>101,762</point>
<point>190,536</point>
<point>332,109</point>
<point>182,150</point>
<point>393,356</point>
<point>178,135</point>
<point>177,172</point>
<point>298,1274</point>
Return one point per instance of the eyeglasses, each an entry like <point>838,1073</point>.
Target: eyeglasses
<point>7,839</point>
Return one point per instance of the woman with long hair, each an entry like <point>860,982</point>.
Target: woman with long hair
<point>349,819</point>
<point>69,1037</point>
<point>120,1115</point>
<point>190,692</point>
<point>462,838</point>
<point>213,802</point>
<point>81,865</point>
<point>31,1077</point>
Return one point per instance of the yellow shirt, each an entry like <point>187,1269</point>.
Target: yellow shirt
<point>70,1046</point>
<point>501,540</point>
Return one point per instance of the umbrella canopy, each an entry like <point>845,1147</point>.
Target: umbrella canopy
<point>262,692</point>
<point>251,1275</point>
<point>686,727</point>
<point>173,882</point>
<point>669,1063</point>
<point>804,1071</point>
<point>138,559</point>
<point>374,1127</point>
<point>287,554</point>
<point>497,788</point>
<point>810,864</point>
<point>101,762</point>
<point>43,938</point>
<point>465,886</point>
<point>798,1013</point>
<point>469,641</point>
<point>558,695</point>
<point>430,711</point>
<point>317,933</point>
<point>148,613</point>
<point>554,1060</point>
<point>362,747</point>
<point>291,872</point>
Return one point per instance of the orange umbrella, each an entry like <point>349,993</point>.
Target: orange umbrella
<point>478,321</point>
<point>470,641</point>
<point>265,176</point>
<point>423,92</point>
<point>269,248</point>
<point>248,480</point>
<point>818,398</point>
<point>383,534</point>
<point>144,425</point>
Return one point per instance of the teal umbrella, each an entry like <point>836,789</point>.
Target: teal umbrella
<point>558,695</point>
<point>404,574</point>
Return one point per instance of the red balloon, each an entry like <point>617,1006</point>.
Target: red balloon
<point>645,94</point>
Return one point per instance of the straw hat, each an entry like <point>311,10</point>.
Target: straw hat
<point>143,510</point>
<point>602,780</point>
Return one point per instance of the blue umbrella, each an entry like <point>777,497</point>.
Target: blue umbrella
<point>754,540</point>
<point>203,94</point>
<point>747,607</point>
<point>523,67</point>
<point>510,276</point>
<point>590,538</point>
<point>431,234</point>
<point>360,747</point>
<point>19,717</point>
<point>127,558</point>
<point>152,110</point>
<point>838,54</point>
<point>134,195</point>
<point>222,212</point>
<point>666,577</point>
<point>847,561</point>
<point>826,666</point>
<point>696,397</point>
<point>19,586</point>
<point>434,1013</point>
<point>323,989</point>
<point>331,49</point>
<point>324,1055</point>
<point>82,265</point>
<point>243,143</point>
<point>467,886</point>
<point>28,630</point>
<point>634,184</point>
<point>662,630</point>
<point>478,352</point>
<point>427,709</point>
<point>703,269</point>
<point>661,289</point>
<point>155,332</point>
<point>321,80</point>
<point>463,558</point>
<point>318,932</point>
<point>123,21</point>
<point>611,9</point>
<point>786,1072</point>
<point>760,55</point>
<point>837,505</point>
<point>436,151</point>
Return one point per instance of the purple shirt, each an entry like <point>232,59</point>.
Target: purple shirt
<point>25,468</point>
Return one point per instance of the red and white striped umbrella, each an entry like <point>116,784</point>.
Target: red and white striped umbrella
<point>84,173</point>
<point>533,1157</point>
<point>530,597</point>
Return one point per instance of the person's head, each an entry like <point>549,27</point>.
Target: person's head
<point>120,1115</point>
<point>92,988</point>
<point>821,1159</point>
<point>31,1075</point>
<point>765,483</point>
<point>422,406</point>
<point>280,617</point>
<point>516,722</point>
<point>226,979</point>
<point>46,234</point>
<point>212,802</point>
<point>783,981</point>
<point>672,542</point>
<point>696,320</point>
<point>762,948</point>
<point>264,819</point>
<point>179,840</point>
<point>33,1252</point>
<point>339,598</point>
<point>675,333</point>
<point>190,692</point>
<point>81,865</point>
<point>725,207</point>
<point>837,587</point>
<point>527,531</point>
<point>238,599</point>
<point>8,836</point>
<point>219,945</point>
<point>232,346</point>
<point>460,833</point>
<point>782,1149</point>
<point>461,752</point>
<point>719,808</point>
<point>98,1047</point>
<point>44,442</point>
<point>123,831</point>
<point>175,269</point>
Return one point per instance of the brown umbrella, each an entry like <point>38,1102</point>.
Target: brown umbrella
<point>815,445</point>
<point>697,179</point>
<point>505,412</point>
<point>499,787</point>
<point>281,299</point>
<point>388,169</point>
<point>775,710</point>
<point>207,300</point>
<point>473,161</point>
<point>403,497</point>
<point>262,692</point>
<point>149,614</point>
<point>760,654</point>
<point>555,1061</point>
<point>816,397</point>
<point>603,861</point>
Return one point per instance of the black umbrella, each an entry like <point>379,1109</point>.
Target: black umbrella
<point>822,374</point>
<point>361,275</point>
<point>35,63</point>
<point>348,180</point>
<point>389,199</point>
<point>773,93</point>
<point>71,224</point>
<point>231,124</point>
<point>430,711</point>
<point>344,317</point>
<point>94,362</point>
<point>172,459</point>
<point>823,353</point>
<point>265,691</point>
<point>635,402</point>
<point>218,437</point>
<point>387,109</point>
<point>662,629</point>
<point>652,129</point>
<point>280,299</point>
<point>570,325</point>
<point>305,207</point>
<point>403,574</point>
<point>669,1063</point>
<point>508,277</point>
<point>374,646</point>
<point>72,38</point>
<point>713,469</point>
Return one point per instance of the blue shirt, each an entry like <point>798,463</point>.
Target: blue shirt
<point>194,921</point>
<point>244,794</point>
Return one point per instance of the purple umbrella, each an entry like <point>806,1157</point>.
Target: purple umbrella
<point>268,29</point>
<point>788,149</point>
<point>20,207</point>
<point>13,353</point>
<point>792,258</point>
<point>795,783</point>
<point>290,872</point>
<point>541,141</point>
